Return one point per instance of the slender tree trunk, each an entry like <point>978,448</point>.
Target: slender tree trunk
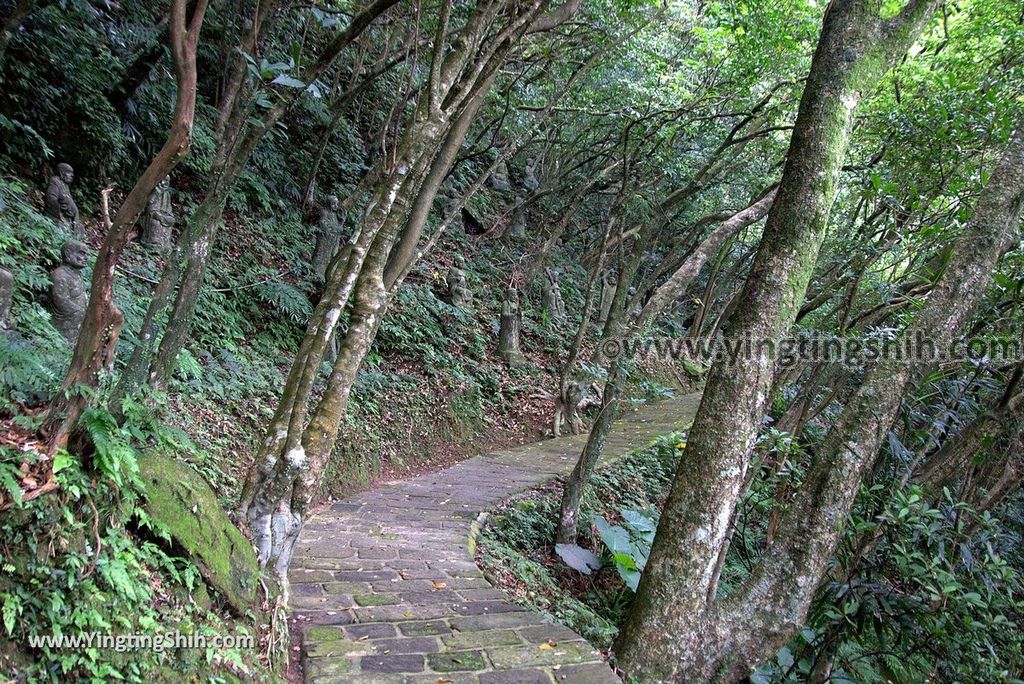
<point>237,139</point>
<point>677,284</point>
<point>569,510</point>
<point>280,489</point>
<point>202,223</point>
<point>954,458</point>
<point>662,298</point>
<point>693,332</point>
<point>97,339</point>
<point>673,632</point>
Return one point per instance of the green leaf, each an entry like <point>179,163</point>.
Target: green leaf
<point>631,578</point>
<point>288,81</point>
<point>62,460</point>
<point>624,560</point>
<point>12,606</point>
<point>616,538</point>
<point>578,558</point>
<point>639,522</point>
<point>784,658</point>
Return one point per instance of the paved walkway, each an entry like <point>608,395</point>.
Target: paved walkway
<point>385,589</point>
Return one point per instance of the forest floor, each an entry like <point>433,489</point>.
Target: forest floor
<point>385,588</point>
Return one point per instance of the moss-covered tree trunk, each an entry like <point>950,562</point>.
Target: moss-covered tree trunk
<point>779,591</point>
<point>673,632</point>
<point>301,436</point>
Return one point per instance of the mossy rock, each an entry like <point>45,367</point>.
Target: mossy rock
<point>184,505</point>
<point>692,369</point>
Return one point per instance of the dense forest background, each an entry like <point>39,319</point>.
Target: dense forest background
<point>589,171</point>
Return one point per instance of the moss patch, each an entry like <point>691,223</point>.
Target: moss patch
<point>183,504</point>
<point>457,661</point>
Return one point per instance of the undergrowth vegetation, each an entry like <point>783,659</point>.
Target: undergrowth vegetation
<point>605,171</point>
<point>88,561</point>
<point>517,550</point>
<point>925,591</point>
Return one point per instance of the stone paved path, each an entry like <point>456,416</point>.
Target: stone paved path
<point>385,589</point>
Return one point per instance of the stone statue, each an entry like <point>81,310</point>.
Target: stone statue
<point>530,181</point>
<point>6,293</point>
<point>328,237</point>
<point>159,219</point>
<point>499,178</point>
<point>60,205</point>
<point>450,208</point>
<point>551,298</point>
<point>517,231</point>
<point>608,286</point>
<point>68,295</point>
<point>567,409</point>
<point>449,201</point>
<point>459,293</point>
<point>508,332</point>
<point>639,306</point>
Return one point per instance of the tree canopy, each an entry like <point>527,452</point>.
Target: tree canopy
<point>338,243</point>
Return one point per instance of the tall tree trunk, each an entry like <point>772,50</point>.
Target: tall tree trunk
<point>284,481</point>
<point>572,494</point>
<point>673,632</point>
<point>778,593</point>
<point>237,139</point>
<point>101,327</point>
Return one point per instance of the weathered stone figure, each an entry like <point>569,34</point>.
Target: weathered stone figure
<point>567,409</point>
<point>158,221</point>
<point>499,178</point>
<point>60,205</point>
<point>608,286</point>
<point>551,299</point>
<point>639,306</point>
<point>530,181</point>
<point>517,231</point>
<point>459,293</point>
<point>6,293</point>
<point>450,208</point>
<point>68,295</point>
<point>508,332</point>
<point>328,237</point>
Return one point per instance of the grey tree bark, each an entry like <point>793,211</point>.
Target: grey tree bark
<point>675,631</point>
<point>622,324</point>
<point>301,436</point>
<point>185,272</point>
